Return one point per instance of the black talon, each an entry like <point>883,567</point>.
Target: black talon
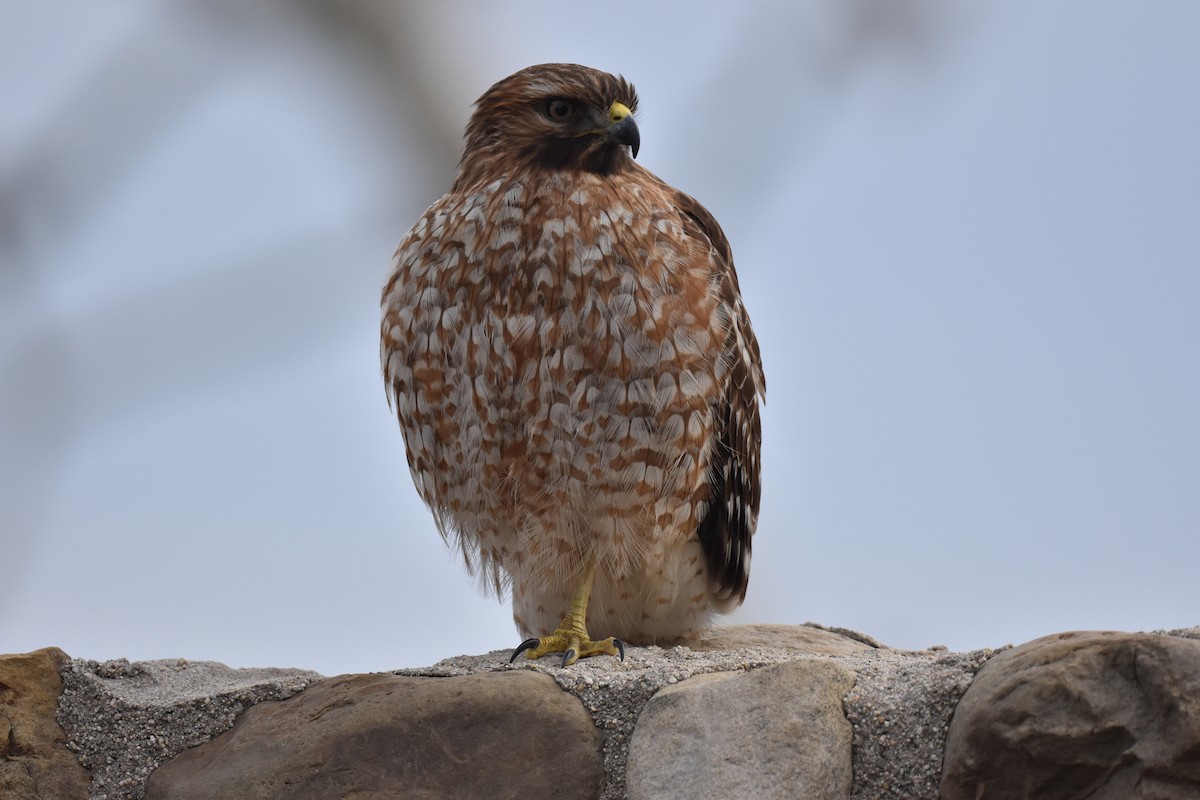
<point>567,656</point>
<point>525,645</point>
<point>620,647</point>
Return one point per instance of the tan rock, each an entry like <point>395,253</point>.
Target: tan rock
<point>776,732</point>
<point>35,763</point>
<point>493,735</point>
<point>1097,715</point>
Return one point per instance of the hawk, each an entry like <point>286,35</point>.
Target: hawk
<point>565,345</point>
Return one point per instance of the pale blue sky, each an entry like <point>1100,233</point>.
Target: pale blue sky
<point>968,238</point>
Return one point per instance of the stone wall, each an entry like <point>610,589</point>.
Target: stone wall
<point>754,711</point>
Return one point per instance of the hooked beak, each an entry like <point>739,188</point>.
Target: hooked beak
<point>622,129</point>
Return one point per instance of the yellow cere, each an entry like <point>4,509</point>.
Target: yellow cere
<point>618,112</point>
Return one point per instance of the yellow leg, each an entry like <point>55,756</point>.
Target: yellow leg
<point>571,637</point>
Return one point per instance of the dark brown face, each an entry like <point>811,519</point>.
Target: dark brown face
<point>556,116</point>
<point>578,133</point>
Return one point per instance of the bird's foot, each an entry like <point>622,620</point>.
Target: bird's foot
<point>573,642</point>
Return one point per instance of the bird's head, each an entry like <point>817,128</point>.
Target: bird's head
<point>554,116</point>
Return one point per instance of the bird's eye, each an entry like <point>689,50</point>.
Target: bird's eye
<point>560,110</point>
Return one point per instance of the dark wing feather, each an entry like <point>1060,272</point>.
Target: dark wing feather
<point>732,513</point>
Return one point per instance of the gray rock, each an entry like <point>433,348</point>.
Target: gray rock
<point>615,692</point>
<point>810,638</point>
<point>494,736</point>
<point>1096,715</point>
<point>777,732</point>
<point>125,719</point>
<point>900,708</point>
